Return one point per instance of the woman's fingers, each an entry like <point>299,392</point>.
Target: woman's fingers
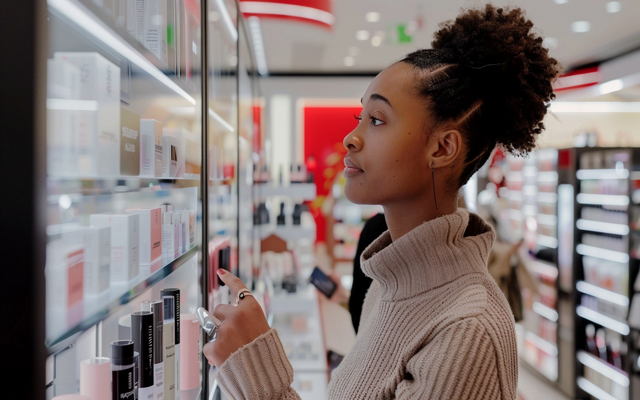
<point>224,311</point>
<point>234,283</point>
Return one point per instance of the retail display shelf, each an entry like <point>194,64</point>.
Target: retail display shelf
<point>188,177</point>
<point>289,232</point>
<point>548,347</point>
<point>603,368</point>
<point>547,241</point>
<point>602,227</point>
<point>584,174</point>
<point>545,311</point>
<point>544,197</point>
<point>601,293</point>
<point>602,320</point>
<point>94,311</point>
<point>602,199</point>
<point>593,389</point>
<point>546,219</point>
<point>304,191</point>
<point>547,176</point>
<point>598,252</point>
<point>548,374</point>
<point>538,267</point>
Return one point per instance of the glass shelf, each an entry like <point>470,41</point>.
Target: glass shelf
<point>95,310</point>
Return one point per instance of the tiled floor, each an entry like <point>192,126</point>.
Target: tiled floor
<point>530,387</point>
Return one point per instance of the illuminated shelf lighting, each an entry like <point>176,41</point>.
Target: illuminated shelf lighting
<point>603,368</point>
<point>594,390</point>
<point>541,344</point>
<point>603,320</point>
<point>72,105</point>
<point>104,34</point>
<point>547,176</point>
<point>603,199</point>
<point>602,174</point>
<point>547,312</point>
<point>546,219</point>
<point>233,32</point>
<point>597,252</point>
<point>544,197</point>
<point>541,268</point>
<point>547,241</point>
<point>604,294</point>
<point>602,227</point>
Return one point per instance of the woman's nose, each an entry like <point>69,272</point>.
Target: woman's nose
<point>352,142</point>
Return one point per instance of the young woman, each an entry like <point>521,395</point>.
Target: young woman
<point>434,324</point>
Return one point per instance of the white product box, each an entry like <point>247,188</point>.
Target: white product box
<point>186,220</point>
<point>150,147</point>
<point>150,234</point>
<point>63,92</point>
<point>99,136</point>
<point>125,244</point>
<point>170,237</point>
<point>176,219</point>
<point>96,242</point>
<point>174,139</point>
<point>155,28</point>
<point>135,19</point>
<point>64,275</point>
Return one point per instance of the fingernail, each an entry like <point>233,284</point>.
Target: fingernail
<point>221,272</point>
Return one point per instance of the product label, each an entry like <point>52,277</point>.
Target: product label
<point>169,362</point>
<point>159,381</point>
<point>129,142</point>
<point>122,384</point>
<point>75,277</point>
<point>146,393</point>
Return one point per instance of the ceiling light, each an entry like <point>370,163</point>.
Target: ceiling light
<point>614,6</point>
<point>376,41</point>
<point>372,16</point>
<point>353,51</point>
<point>362,35</point>
<point>349,61</point>
<point>550,43</point>
<point>560,1</point>
<point>581,26</point>
<point>258,45</point>
<point>611,86</point>
<point>591,107</point>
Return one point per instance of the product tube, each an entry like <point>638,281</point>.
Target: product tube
<point>155,307</point>
<point>142,334</point>
<point>175,293</point>
<point>95,378</point>
<point>122,370</point>
<point>190,363</point>
<point>169,348</point>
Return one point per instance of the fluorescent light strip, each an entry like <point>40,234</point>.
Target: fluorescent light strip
<point>288,10</point>
<point>546,219</point>
<point>595,107</point>
<point>604,254</point>
<point>547,312</point>
<point>602,227</point>
<point>547,176</point>
<point>258,45</point>
<point>542,344</point>
<point>546,197</point>
<point>543,269</point>
<point>603,320</point>
<point>221,121</point>
<point>602,174</point>
<point>594,390</point>
<point>226,18</point>
<point>603,199</point>
<point>72,105</point>
<point>604,294</point>
<point>547,241</point>
<point>95,27</point>
<point>600,367</point>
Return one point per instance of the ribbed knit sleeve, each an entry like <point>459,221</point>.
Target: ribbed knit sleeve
<point>460,363</point>
<point>259,370</point>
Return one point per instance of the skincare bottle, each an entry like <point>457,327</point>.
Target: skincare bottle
<point>601,344</point>
<point>297,214</point>
<point>175,293</point>
<point>169,348</point>
<point>142,334</point>
<point>155,307</point>
<point>168,238</point>
<point>176,219</point>
<point>280,219</point>
<point>122,370</point>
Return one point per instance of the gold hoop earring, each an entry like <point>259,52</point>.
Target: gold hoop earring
<point>433,181</point>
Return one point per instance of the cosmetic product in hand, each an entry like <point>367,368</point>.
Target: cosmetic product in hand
<point>175,293</point>
<point>142,334</point>
<point>95,378</point>
<point>591,339</point>
<point>155,307</point>
<point>297,214</point>
<point>281,220</point>
<point>122,370</point>
<point>169,348</point>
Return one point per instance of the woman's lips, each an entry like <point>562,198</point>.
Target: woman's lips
<point>350,172</point>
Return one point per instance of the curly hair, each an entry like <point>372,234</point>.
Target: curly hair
<point>489,75</point>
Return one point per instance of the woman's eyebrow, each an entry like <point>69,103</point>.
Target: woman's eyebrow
<point>376,96</point>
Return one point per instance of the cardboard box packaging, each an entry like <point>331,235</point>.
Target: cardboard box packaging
<point>129,142</point>
<point>125,244</point>
<point>150,147</point>
<point>150,234</point>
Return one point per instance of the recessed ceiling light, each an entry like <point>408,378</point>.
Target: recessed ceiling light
<point>581,26</point>
<point>372,16</point>
<point>353,51</point>
<point>611,86</point>
<point>349,61</point>
<point>560,1</point>
<point>550,42</point>
<point>614,6</point>
<point>362,35</point>
<point>376,41</point>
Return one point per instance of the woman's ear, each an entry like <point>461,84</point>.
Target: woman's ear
<point>445,148</point>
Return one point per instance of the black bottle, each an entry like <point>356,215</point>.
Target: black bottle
<point>280,220</point>
<point>297,213</point>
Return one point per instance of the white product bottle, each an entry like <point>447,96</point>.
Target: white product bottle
<point>169,348</point>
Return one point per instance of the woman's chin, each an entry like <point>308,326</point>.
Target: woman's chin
<point>355,193</point>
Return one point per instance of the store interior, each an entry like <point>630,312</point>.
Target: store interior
<point>174,138</point>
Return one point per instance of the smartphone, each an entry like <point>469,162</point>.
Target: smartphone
<point>322,282</point>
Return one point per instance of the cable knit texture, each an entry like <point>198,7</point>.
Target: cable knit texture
<point>434,325</point>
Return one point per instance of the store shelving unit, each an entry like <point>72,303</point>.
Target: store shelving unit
<point>605,269</point>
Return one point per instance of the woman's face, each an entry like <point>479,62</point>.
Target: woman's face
<point>387,160</point>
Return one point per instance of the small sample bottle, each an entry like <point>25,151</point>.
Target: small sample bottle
<point>122,370</point>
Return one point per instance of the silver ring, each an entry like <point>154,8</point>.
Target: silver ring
<point>209,322</point>
<point>242,293</point>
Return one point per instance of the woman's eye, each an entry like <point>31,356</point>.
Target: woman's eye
<point>376,121</point>
<point>359,118</point>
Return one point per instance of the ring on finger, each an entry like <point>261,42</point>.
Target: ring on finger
<point>242,293</point>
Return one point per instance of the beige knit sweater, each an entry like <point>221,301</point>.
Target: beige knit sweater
<point>434,326</point>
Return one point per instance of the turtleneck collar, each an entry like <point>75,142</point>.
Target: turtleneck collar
<point>431,255</point>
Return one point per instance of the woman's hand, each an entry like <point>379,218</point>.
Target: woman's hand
<point>241,324</point>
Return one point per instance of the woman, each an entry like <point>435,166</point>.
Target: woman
<point>434,324</point>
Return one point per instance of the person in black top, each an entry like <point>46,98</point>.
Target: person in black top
<point>373,228</point>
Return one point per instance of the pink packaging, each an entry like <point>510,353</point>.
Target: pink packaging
<point>95,379</point>
<point>190,352</point>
